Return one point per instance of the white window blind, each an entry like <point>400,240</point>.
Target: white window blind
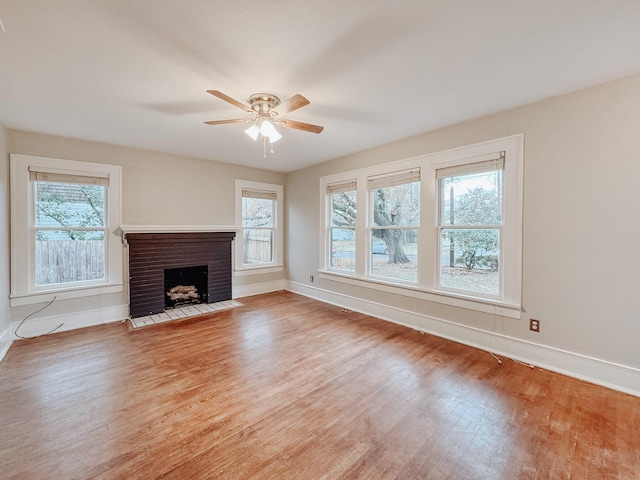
<point>342,187</point>
<point>394,179</point>
<point>481,166</point>
<point>41,175</point>
<point>262,194</point>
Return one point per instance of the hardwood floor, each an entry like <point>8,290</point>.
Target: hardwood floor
<point>290,388</point>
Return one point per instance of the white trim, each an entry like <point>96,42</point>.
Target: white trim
<point>5,342</point>
<point>65,293</point>
<point>278,225</point>
<point>471,303</point>
<point>593,370</point>
<point>23,289</point>
<point>70,321</point>
<point>241,272</point>
<point>257,288</point>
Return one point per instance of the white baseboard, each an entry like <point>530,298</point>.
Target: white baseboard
<point>70,321</point>
<point>258,288</point>
<point>593,370</point>
<point>5,342</point>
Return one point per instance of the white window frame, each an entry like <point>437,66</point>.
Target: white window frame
<point>509,302</point>
<point>23,288</point>
<point>277,264</point>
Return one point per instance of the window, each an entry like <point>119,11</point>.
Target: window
<point>342,225</point>
<point>470,227</point>
<point>258,214</point>
<point>446,227</point>
<point>64,217</point>
<point>258,226</point>
<point>395,218</point>
<point>69,228</point>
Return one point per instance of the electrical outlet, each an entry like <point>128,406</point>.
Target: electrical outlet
<point>534,325</point>
<point>311,278</point>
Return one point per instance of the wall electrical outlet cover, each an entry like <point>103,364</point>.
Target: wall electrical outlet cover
<point>534,325</point>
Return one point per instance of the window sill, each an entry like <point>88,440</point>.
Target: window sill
<point>241,272</point>
<point>42,296</point>
<point>502,309</point>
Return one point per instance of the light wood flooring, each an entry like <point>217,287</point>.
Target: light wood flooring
<point>286,387</point>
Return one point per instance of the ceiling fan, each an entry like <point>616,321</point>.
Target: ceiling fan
<point>265,110</point>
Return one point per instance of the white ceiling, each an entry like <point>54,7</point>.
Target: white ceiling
<point>135,72</point>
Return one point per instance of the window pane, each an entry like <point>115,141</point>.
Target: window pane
<point>69,205</point>
<point>394,254</point>
<point>469,260</point>
<point>343,209</point>
<point>69,256</point>
<point>474,199</point>
<point>343,249</point>
<point>258,246</point>
<point>398,205</point>
<point>257,212</point>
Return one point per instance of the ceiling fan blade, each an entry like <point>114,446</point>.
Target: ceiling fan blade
<point>291,104</point>
<point>307,127</point>
<point>230,100</point>
<point>220,122</point>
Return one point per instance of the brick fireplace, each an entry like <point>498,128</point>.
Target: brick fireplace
<point>154,257</point>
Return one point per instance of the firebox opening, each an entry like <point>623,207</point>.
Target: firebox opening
<point>184,286</point>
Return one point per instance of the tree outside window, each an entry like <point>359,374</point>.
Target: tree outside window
<point>395,210</point>
<point>342,233</point>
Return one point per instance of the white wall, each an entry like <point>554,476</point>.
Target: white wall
<point>581,236</point>
<point>5,314</point>
<point>158,189</point>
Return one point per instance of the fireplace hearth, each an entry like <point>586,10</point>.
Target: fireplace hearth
<point>198,263</point>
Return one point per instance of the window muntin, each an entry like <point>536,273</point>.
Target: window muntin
<point>470,227</point>
<point>258,222</point>
<point>343,207</point>
<point>395,219</point>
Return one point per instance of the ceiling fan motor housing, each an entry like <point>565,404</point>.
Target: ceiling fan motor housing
<point>263,103</point>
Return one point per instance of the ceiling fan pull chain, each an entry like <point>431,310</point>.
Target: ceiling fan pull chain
<point>264,146</point>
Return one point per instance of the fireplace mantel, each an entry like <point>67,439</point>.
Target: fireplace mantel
<point>127,229</point>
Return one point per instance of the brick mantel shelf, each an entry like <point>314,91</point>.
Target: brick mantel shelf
<point>127,229</point>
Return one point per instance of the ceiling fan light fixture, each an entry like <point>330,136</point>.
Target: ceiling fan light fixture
<point>275,136</point>
<point>253,131</point>
<point>268,130</point>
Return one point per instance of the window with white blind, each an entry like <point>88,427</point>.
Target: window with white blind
<point>70,227</point>
<point>64,221</point>
<point>470,226</point>
<point>341,227</point>
<point>258,213</point>
<point>446,227</point>
<point>394,208</point>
